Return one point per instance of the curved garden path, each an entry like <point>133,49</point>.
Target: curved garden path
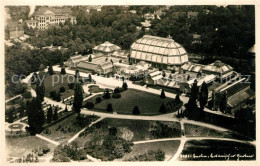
<point>112,83</point>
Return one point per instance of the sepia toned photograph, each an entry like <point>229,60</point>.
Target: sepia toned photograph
<point>129,83</point>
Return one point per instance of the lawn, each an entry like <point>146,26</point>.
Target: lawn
<point>67,128</point>
<point>141,129</point>
<point>147,103</point>
<point>169,147</point>
<point>217,150</point>
<point>54,82</point>
<point>200,131</point>
<point>21,146</point>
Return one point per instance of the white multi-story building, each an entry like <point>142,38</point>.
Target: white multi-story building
<point>47,16</point>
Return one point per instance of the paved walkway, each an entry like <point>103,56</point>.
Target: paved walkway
<point>13,98</point>
<point>47,139</point>
<point>77,135</point>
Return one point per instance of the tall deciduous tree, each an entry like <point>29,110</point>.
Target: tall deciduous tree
<point>78,98</point>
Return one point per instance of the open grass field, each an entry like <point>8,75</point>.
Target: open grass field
<point>147,103</point>
<point>200,131</point>
<point>169,147</point>
<point>65,129</point>
<point>217,150</point>
<point>21,146</point>
<point>54,82</point>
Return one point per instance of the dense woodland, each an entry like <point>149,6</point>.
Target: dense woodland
<point>225,32</point>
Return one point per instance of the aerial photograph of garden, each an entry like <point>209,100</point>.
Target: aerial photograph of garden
<point>97,83</point>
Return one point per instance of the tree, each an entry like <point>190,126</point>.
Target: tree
<point>36,116</point>
<point>125,86</point>
<point>162,109</point>
<point>34,78</point>
<point>177,98</point>
<point>50,70</point>
<point>49,114</point>
<point>136,110</point>
<point>109,107</point>
<point>55,115</point>
<point>42,67</point>
<point>62,60</point>
<point>62,89</point>
<point>89,77</point>
<point>78,98</point>
<point>90,58</point>
<point>62,71</point>
<point>58,99</point>
<point>194,90</point>
<point>163,74</point>
<point>223,102</point>
<point>77,73</point>
<point>11,115</point>
<point>89,105</point>
<point>98,99</point>
<point>203,98</point>
<point>40,88</point>
<point>106,94</point>
<point>162,95</point>
<point>159,155</point>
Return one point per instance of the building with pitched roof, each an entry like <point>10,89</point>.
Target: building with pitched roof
<point>160,52</point>
<point>73,61</point>
<point>237,95</point>
<point>100,64</point>
<point>218,68</point>
<point>46,16</point>
<point>106,48</point>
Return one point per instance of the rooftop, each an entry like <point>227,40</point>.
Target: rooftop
<point>107,47</point>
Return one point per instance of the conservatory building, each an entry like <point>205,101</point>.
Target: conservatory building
<point>160,52</point>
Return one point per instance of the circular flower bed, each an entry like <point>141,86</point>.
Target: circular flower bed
<point>16,126</point>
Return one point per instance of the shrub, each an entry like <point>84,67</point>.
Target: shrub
<point>98,99</point>
<point>162,109</point>
<point>89,105</point>
<point>63,71</point>
<point>109,107</point>
<point>136,110</point>
<point>45,149</point>
<point>125,86</point>
<point>116,95</point>
<point>163,94</point>
<point>116,90</point>
<point>71,85</point>
<point>62,89</point>
<point>27,94</point>
<point>53,95</point>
